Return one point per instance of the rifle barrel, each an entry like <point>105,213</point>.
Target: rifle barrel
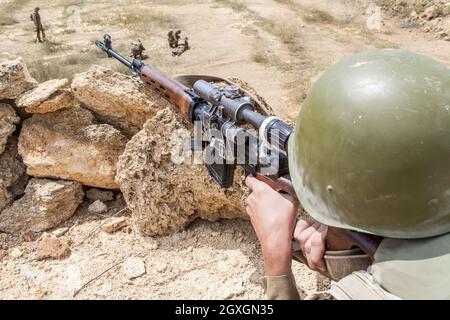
<point>114,54</point>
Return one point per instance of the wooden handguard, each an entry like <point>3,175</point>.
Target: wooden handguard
<point>169,89</point>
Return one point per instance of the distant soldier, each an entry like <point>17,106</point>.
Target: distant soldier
<point>36,18</point>
<point>181,47</point>
<point>177,37</point>
<point>108,42</point>
<point>172,42</point>
<point>136,49</point>
<point>186,44</point>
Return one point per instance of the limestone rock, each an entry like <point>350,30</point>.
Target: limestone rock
<point>430,13</point>
<point>59,100</point>
<point>8,121</point>
<point>60,232</point>
<point>133,267</point>
<point>164,196</point>
<point>115,224</point>
<point>96,194</point>
<point>45,205</point>
<point>446,9</point>
<point>32,99</point>
<point>67,144</point>
<point>16,253</point>
<point>97,207</point>
<point>116,99</point>
<point>14,79</point>
<point>51,247</point>
<point>12,174</point>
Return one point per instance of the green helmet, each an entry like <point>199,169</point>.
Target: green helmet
<point>371,148</point>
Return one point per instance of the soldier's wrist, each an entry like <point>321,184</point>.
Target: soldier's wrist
<point>278,261</point>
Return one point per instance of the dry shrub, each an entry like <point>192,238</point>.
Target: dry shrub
<point>288,33</point>
<point>7,10</point>
<point>319,16</point>
<point>233,4</point>
<point>260,57</point>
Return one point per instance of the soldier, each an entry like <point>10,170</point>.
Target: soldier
<point>39,29</point>
<point>108,43</point>
<point>136,49</point>
<point>172,42</point>
<point>181,48</point>
<point>370,154</point>
<point>177,37</point>
<point>185,44</point>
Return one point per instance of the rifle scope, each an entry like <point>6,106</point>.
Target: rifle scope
<point>240,110</point>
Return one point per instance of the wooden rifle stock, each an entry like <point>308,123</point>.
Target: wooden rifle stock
<point>171,90</point>
<point>337,238</point>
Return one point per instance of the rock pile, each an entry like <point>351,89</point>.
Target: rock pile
<point>432,16</point>
<point>103,134</point>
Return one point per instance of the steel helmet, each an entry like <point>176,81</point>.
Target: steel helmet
<point>371,147</point>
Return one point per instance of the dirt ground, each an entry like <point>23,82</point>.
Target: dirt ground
<point>278,46</point>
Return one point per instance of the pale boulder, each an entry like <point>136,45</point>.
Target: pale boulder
<point>164,196</point>
<point>97,207</point>
<point>59,100</point>
<point>133,267</point>
<point>46,93</point>
<point>46,204</point>
<point>14,79</point>
<point>430,13</point>
<point>68,144</point>
<point>50,247</point>
<point>115,224</point>
<point>117,99</point>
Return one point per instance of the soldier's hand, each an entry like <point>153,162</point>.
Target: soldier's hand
<point>273,218</point>
<point>311,236</point>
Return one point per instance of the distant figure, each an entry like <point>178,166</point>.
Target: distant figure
<point>171,40</point>
<point>39,29</point>
<point>136,49</point>
<point>177,36</point>
<point>108,42</point>
<point>181,47</point>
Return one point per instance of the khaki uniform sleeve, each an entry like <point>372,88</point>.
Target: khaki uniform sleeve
<point>281,287</point>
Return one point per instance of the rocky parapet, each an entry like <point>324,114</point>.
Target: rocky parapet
<point>116,99</point>
<point>165,196</point>
<point>47,97</point>
<point>69,144</point>
<point>46,204</point>
<point>14,79</point>
<point>8,121</point>
<point>12,174</point>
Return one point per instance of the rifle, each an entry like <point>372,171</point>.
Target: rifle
<point>230,113</point>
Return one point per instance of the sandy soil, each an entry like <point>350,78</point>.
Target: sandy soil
<point>278,47</point>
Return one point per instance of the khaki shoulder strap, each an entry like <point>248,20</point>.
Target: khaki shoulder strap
<point>360,285</point>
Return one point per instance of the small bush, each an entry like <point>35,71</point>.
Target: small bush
<point>289,34</point>
<point>260,57</point>
<point>235,5</point>
<point>7,20</point>
<point>319,16</point>
<point>50,47</point>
